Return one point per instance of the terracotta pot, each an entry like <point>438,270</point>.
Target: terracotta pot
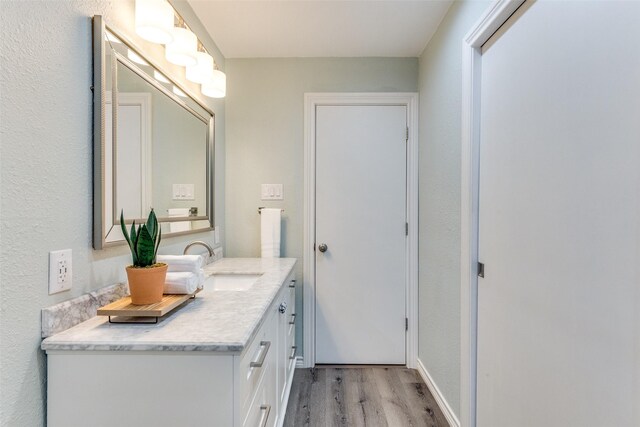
<point>146,284</point>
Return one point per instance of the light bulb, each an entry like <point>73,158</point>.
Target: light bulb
<point>216,87</point>
<point>182,50</point>
<point>202,70</point>
<point>154,21</point>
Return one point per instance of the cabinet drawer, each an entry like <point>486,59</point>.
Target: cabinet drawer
<point>257,360</point>
<point>261,411</point>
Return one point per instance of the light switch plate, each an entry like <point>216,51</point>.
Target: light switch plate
<point>183,192</point>
<point>272,192</point>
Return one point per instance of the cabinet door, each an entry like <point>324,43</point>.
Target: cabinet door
<point>286,306</point>
<point>290,341</point>
<point>271,374</point>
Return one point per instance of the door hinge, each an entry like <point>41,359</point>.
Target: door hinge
<point>406,323</point>
<point>406,138</point>
<point>406,228</point>
<point>480,269</point>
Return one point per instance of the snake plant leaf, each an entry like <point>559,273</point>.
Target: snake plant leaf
<point>134,239</point>
<point>130,238</point>
<point>152,224</point>
<point>155,254</point>
<point>146,247</point>
<point>124,229</point>
<point>134,236</point>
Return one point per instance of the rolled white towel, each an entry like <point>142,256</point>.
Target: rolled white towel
<point>181,282</point>
<point>182,263</point>
<point>201,279</point>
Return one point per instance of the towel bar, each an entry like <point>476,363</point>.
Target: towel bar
<point>262,207</point>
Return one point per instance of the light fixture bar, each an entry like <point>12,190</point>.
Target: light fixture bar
<point>183,48</point>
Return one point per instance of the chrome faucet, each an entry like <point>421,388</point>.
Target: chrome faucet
<point>200,243</point>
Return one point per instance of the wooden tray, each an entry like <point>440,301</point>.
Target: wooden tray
<point>124,308</point>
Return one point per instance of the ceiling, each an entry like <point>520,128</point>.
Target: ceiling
<point>320,28</point>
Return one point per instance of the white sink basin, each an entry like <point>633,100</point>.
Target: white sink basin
<point>232,282</point>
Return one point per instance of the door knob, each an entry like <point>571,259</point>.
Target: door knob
<point>322,247</point>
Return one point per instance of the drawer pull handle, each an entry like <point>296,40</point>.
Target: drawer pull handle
<point>263,355</point>
<point>293,352</point>
<point>265,414</point>
<point>292,284</point>
<point>293,319</point>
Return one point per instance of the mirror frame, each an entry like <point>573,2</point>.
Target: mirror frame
<point>100,227</point>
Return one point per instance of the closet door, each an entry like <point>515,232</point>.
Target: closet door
<point>559,304</point>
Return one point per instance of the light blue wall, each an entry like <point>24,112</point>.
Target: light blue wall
<point>265,104</point>
<point>440,142</point>
<point>46,176</point>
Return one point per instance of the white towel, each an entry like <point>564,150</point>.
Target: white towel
<point>270,233</point>
<point>182,263</point>
<point>201,279</point>
<point>181,283</point>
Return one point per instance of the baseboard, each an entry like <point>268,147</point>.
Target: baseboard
<point>299,362</point>
<point>437,395</point>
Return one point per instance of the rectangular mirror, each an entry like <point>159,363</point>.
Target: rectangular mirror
<point>153,145</point>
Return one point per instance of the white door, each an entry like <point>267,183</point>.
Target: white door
<point>133,165</point>
<point>360,217</point>
<point>129,156</point>
<point>559,219</point>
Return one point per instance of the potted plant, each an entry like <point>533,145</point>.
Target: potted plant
<point>146,277</point>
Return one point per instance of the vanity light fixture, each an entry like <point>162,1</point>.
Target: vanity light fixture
<point>154,21</point>
<point>182,50</point>
<point>202,70</point>
<point>216,87</point>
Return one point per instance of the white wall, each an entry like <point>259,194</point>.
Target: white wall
<point>46,176</point>
<point>265,103</point>
<point>440,141</point>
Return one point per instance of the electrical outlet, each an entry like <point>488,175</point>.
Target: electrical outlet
<point>60,271</point>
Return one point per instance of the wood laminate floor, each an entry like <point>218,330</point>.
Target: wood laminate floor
<point>361,396</point>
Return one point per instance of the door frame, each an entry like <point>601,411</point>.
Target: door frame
<point>311,101</point>
<point>497,14</point>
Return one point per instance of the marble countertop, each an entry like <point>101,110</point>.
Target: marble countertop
<point>220,321</point>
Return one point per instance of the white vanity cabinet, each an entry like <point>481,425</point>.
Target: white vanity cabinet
<point>185,387</point>
<point>270,385</point>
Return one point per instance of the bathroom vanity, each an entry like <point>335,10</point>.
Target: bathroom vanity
<point>226,358</point>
